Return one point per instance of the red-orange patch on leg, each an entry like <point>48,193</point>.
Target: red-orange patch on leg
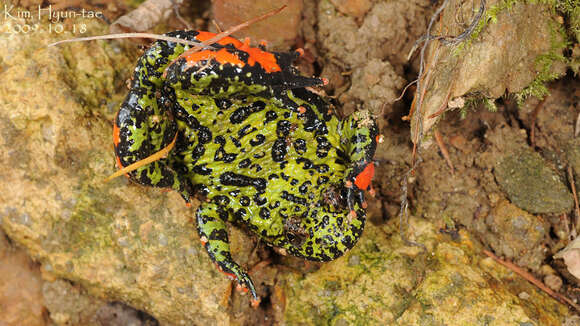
<point>363,179</point>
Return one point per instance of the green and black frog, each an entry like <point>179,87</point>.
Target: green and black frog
<point>252,141</point>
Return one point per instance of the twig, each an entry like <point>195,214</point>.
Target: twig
<point>243,25</point>
<point>178,15</point>
<point>405,89</point>
<point>573,186</point>
<point>469,30</point>
<point>444,151</point>
<point>534,118</point>
<point>149,159</point>
<point>195,45</point>
<point>129,35</point>
<point>530,278</point>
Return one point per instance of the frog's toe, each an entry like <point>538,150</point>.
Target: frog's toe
<point>245,284</point>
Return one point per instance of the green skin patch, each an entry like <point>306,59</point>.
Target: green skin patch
<point>259,149</point>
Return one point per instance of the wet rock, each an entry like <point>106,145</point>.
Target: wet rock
<point>531,185</point>
<point>516,234</point>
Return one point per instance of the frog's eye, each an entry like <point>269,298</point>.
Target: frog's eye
<point>363,179</point>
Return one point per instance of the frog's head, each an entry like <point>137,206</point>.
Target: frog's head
<point>143,134</point>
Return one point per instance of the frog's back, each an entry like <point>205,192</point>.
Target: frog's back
<point>263,159</point>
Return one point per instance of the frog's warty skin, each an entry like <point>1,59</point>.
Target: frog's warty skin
<point>259,148</point>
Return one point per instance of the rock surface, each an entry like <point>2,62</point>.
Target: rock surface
<point>509,54</point>
<point>138,246</point>
<point>531,184</point>
<point>21,300</point>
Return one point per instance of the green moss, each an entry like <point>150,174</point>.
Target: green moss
<point>571,10</point>
<point>544,64</point>
<point>476,101</point>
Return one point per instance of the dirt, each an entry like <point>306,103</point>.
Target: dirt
<point>508,191</point>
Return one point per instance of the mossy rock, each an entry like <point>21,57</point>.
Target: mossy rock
<point>531,185</point>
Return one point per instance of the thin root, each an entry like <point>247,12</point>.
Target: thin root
<point>573,186</point>
<point>530,278</point>
<point>443,149</point>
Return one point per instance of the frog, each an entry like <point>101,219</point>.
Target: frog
<point>254,141</point>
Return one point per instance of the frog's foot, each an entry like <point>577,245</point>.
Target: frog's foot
<point>214,237</point>
<point>184,188</point>
<point>350,200</point>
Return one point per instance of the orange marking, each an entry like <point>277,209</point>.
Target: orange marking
<point>351,215</point>
<point>300,51</point>
<point>246,45</point>
<point>222,56</point>
<point>230,275</point>
<point>188,205</point>
<point>254,303</point>
<point>119,164</point>
<point>363,179</point>
<point>301,109</point>
<point>266,59</point>
<point>116,134</point>
<point>324,81</point>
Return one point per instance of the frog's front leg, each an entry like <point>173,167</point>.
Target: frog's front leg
<point>359,137</point>
<point>214,237</point>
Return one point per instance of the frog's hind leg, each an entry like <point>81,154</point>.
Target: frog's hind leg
<point>214,237</point>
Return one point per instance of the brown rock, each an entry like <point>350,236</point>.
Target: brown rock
<point>280,30</point>
<point>21,300</point>
<point>554,282</point>
<point>516,234</point>
<point>355,8</point>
